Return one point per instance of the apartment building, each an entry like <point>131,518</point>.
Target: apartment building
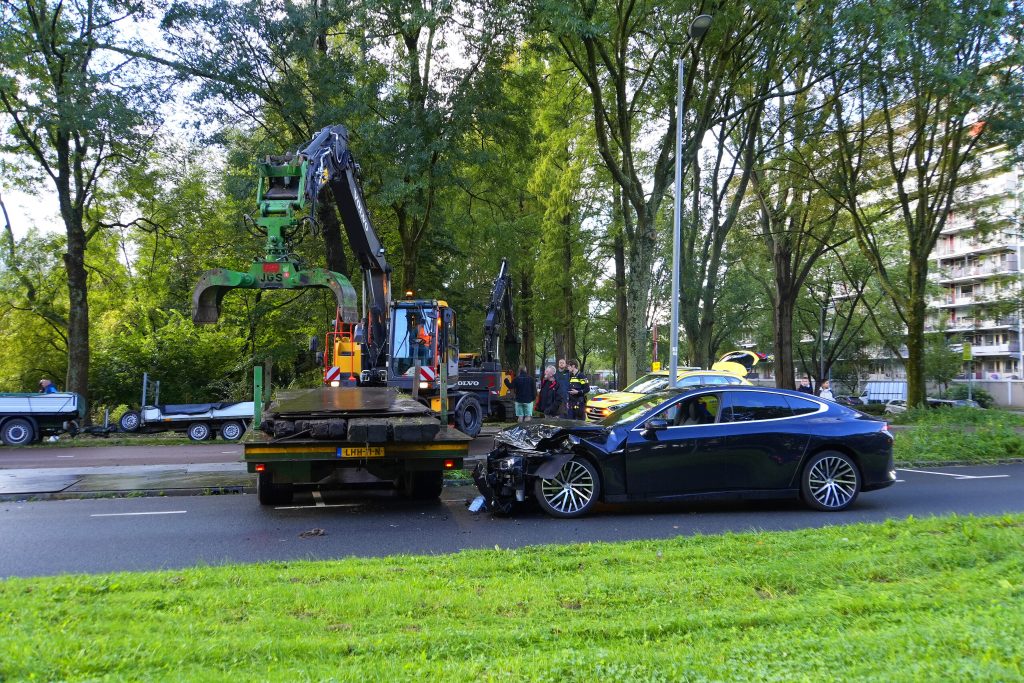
<point>977,266</point>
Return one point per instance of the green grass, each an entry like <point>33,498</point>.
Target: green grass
<point>937,599</point>
<point>959,435</point>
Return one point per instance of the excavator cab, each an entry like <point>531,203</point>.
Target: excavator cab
<point>422,334</point>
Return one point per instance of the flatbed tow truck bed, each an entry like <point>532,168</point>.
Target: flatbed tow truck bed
<point>333,438</point>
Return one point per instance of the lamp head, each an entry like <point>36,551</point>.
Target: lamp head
<point>699,26</point>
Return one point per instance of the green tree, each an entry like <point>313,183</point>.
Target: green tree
<point>924,94</point>
<point>73,113</point>
<point>941,362</point>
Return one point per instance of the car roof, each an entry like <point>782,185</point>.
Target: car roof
<point>675,391</point>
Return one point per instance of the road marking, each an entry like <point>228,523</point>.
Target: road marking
<point>318,499</point>
<point>322,505</point>
<point>958,476</point>
<point>65,456</point>
<point>228,452</point>
<point>136,514</point>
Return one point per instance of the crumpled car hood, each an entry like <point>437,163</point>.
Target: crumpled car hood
<point>538,436</point>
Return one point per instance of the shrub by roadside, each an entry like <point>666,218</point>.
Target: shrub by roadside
<point>958,435</point>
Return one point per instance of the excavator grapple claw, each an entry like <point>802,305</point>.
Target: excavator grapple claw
<point>214,284</point>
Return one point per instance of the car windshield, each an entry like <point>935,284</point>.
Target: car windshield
<point>630,411</point>
<point>648,384</point>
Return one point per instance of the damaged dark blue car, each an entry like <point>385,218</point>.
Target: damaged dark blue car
<point>696,443</point>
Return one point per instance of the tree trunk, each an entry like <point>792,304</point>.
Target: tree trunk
<point>78,313</point>
<point>334,245</point>
<point>637,293</point>
<point>916,389</point>
<point>568,310</point>
<point>782,314</point>
<point>528,355</point>
<point>621,317</point>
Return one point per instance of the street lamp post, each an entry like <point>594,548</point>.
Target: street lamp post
<point>698,27</point>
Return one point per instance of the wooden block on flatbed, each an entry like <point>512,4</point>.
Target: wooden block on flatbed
<point>414,428</point>
<point>368,429</point>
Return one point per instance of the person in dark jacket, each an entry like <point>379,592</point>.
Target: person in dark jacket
<point>579,387</point>
<point>547,401</point>
<point>805,385</point>
<point>524,392</point>
<point>562,381</point>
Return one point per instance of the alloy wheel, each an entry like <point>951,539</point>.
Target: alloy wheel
<point>832,481</point>
<point>571,490</point>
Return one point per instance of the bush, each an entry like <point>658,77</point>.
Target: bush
<point>872,408</point>
<point>959,393</point>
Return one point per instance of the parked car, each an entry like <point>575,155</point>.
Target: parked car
<point>896,406</point>
<point>731,368</point>
<point>729,441</point>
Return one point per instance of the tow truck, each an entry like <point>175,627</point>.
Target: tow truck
<point>337,435</point>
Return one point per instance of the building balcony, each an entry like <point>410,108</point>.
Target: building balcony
<point>995,243</point>
<point>976,272</point>
<point>995,349</point>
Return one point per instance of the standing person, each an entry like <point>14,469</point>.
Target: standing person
<point>547,401</point>
<point>524,393</point>
<point>562,379</point>
<point>826,391</point>
<point>805,385</point>
<point>47,387</point>
<point>579,387</point>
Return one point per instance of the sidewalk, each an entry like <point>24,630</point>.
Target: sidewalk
<point>149,480</point>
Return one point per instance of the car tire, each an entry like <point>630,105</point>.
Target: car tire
<point>232,430</point>
<point>469,416</point>
<point>269,493</point>
<point>421,485</point>
<point>18,432</point>
<point>572,492</point>
<point>199,431</point>
<point>130,421</point>
<point>830,482</point>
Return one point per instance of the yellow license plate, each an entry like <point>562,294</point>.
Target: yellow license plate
<point>361,452</point>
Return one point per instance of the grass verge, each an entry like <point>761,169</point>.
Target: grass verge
<point>959,435</point>
<point>935,599</point>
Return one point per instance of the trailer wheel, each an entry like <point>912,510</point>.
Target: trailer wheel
<point>231,431</point>
<point>199,431</point>
<point>17,432</point>
<point>130,421</point>
<point>469,416</point>
<point>269,493</point>
<point>421,485</point>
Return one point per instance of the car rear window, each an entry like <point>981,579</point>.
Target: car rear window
<point>801,406</point>
<point>752,406</point>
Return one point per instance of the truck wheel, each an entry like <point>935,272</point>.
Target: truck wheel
<point>18,432</point>
<point>469,416</point>
<point>231,431</point>
<point>421,485</point>
<point>199,431</point>
<point>130,421</point>
<point>269,493</point>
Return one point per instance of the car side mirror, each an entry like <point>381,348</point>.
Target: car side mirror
<point>655,425</point>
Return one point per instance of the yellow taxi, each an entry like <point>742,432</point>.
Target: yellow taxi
<point>732,368</point>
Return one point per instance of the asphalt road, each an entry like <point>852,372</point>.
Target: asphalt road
<point>106,456</point>
<point>102,535</point>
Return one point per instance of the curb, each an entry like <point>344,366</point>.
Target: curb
<point>162,493</point>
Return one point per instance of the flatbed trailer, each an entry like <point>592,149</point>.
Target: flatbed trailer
<point>416,469</point>
<point>350,437</point>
